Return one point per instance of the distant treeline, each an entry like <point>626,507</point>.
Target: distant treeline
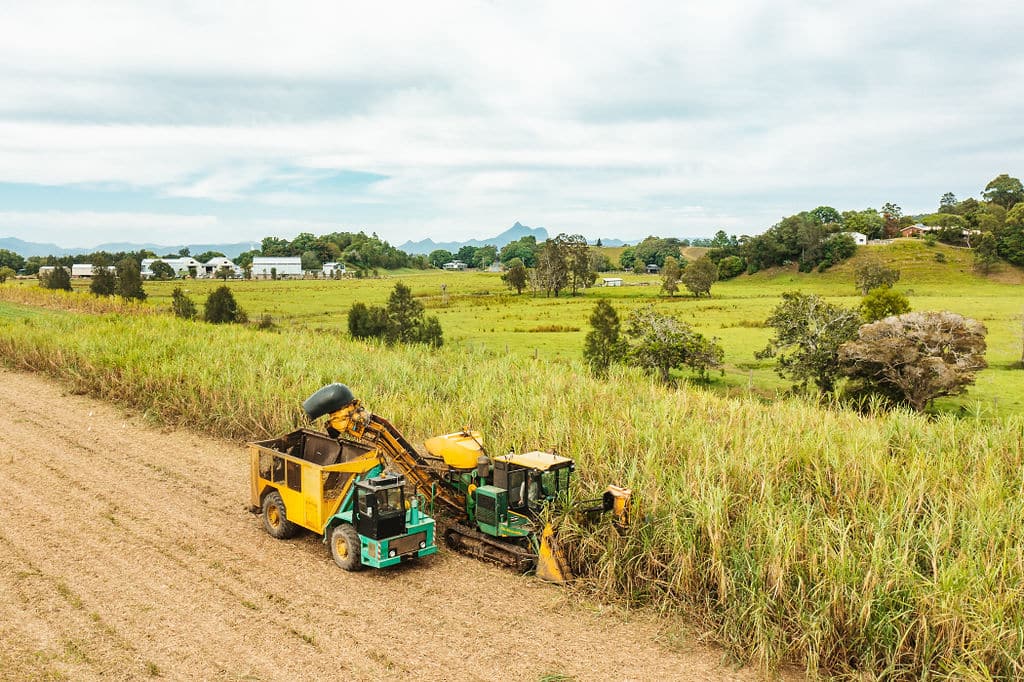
<point>814,239</point>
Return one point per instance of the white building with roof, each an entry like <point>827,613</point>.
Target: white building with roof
<point>212,266</point>
<point>183,267</point>
<point>282,266</point>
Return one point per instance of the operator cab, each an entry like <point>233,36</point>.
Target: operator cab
<point>532,479</point>
<point>380,506</point>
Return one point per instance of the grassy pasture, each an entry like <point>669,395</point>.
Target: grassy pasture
<point>884,547</point>
<point>482,312</point>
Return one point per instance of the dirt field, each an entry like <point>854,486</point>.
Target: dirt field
<point>126,552</point>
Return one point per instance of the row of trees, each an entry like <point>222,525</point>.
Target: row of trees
<point>565,262</point>
<point>357,250</point>
<point>123,279</point>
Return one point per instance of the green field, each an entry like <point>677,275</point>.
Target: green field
<point>883,547</point>
<point>481,312</point>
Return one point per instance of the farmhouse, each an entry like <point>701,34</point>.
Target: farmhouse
<point>914,230</point>
<point>612,281</point>
<point>455,265</point>
<point>283,266</point>
<point>653,269</point>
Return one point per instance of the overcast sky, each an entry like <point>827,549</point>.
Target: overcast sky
<point>178,122</point>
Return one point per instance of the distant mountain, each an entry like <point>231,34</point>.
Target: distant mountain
<point>28,249</point>
<point>514,233</point>
<point>608,242</point>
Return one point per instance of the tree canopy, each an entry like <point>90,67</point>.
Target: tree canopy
<point>660,343</point>
<point>603,344</point>
<point>808,334</point>
<point>916,357</point>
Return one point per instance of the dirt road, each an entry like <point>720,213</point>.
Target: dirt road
<point>126,552</point>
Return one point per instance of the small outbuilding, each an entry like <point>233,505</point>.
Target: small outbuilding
<point>859,238</point>
<point>653,269</point>
<point>332,269</point>
<point>612,281</point>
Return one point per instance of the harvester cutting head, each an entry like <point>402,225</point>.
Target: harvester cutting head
<point>328,399</point>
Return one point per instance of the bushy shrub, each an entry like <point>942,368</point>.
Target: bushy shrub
<point>221,307</point>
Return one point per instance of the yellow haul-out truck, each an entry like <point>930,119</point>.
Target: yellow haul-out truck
<point>341,491</point>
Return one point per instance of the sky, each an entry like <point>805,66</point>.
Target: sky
<point>185,122</point>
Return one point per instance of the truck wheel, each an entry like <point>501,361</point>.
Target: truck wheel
<point>275,520</point>
<point>345,547</point>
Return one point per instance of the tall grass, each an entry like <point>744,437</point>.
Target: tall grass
<point>888,546</point>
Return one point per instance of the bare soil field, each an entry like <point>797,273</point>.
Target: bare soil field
<point>126,552</point>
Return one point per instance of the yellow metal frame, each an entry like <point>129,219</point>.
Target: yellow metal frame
<point>308,508</point>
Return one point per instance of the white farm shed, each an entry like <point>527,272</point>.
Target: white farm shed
<point>182,267</point>
<point>81,270</point>
<point>612,281</point>
<point>330,268</point>
<point>211,266</point>
<point>859,238</point>
<point>284,266</point>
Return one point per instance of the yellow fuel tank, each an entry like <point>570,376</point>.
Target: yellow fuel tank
<point>459,450</point>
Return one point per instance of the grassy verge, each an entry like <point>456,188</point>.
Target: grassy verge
<point>887,546</point>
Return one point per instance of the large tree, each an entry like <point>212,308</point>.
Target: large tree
<point>161,270</point>
<point>553,267</point>
<point>221,307</point>
<point>579,262</point>
<point>12,260</point>
<point>916,357</point>
<point>104,281</point>
<point>883,302</point>
<point>1004,190</point>
<point>515,275</point>
<point>603,344</point>
<point>58,278</point>
<point>670,275</point>
<point>1011,238</point>
<point>700,275</point>
<point>660,343</point>
<point>129,280</point>
<point>808,334</point>
<point>986,253</point>
<point>872,273</point>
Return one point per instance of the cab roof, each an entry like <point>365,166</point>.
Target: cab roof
<point>541,461</point>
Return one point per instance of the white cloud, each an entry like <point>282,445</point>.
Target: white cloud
<point>612,116</point>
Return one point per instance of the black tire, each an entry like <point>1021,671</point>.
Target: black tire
<point>345,547</point>
<point>275,518</point>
